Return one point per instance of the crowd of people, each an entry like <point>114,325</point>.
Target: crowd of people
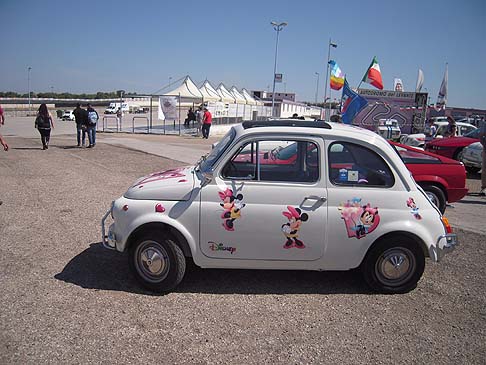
<point>203,119</point>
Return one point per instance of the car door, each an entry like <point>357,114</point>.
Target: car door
<point>266,201</point>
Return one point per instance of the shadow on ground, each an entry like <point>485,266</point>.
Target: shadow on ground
<point>99,268</point>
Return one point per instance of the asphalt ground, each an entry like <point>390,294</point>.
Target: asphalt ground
<point>65,299</point>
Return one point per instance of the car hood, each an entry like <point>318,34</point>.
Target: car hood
<point>453,141</point>
<point>175,184</point>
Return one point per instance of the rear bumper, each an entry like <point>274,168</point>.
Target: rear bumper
<point>456,194</point>
<point>445,243</point>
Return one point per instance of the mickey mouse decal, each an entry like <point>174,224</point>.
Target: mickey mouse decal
<point>232,206</point>
<point>359,219</point>
<point>292,228</point>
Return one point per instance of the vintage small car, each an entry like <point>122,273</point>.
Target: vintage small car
<point>345,201</point>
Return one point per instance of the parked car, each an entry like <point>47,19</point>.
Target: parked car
<point>419,139</point>
<point>443,179</point>
<point>389,129</point>
<point>357,207</point>
<point>67,115</point>
<point>452,147</point>
<point>472,157</point>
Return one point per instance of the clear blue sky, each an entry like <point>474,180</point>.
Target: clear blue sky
<point>88,46</point>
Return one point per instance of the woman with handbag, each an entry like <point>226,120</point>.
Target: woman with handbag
<point>43,123</point>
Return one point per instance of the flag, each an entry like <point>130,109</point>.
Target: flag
<point>442,98</point>
<point>420,81</point>
<point>337,77</point>
<point>373,75</point>
<point>398,85</point>
<point>353,103</point>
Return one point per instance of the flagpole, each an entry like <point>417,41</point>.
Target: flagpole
<point>334,45</point>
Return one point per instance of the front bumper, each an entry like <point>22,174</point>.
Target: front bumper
<point>445,244</point>
<point>108,239</point>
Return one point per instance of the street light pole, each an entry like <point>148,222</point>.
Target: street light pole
<point>317,86</point>
<point>278,27</point>
<point>334,45</point>
<point>28,83</point>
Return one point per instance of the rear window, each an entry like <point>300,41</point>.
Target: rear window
<point>414,157</point>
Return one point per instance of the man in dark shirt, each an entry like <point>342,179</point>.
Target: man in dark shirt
<point>81,117</point>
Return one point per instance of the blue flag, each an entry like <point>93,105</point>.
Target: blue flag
<point>352,104</point>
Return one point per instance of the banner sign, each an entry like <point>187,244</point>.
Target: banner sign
<point>387,94</point>
<point>168,104</point>
<point>278,77</point>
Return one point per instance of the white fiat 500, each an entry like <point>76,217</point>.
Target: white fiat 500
<point>282,194</point>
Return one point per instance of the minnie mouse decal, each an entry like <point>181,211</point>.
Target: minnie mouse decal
<point>415,210</point>
<point>232,206</point>
<point>292,228</point>
<point>359,219</point>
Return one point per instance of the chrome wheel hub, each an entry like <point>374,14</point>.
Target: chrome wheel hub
<point>395,266</point>
<point>433,198</point>
<point>152,261</point>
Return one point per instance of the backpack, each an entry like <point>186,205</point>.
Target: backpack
<point>92,117</point>
<point>42,122</point>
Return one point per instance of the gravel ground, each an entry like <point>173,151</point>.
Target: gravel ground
<point>65,299</point>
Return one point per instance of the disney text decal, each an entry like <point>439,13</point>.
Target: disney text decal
<point>213,246</point>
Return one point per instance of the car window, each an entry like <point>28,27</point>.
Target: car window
<point>352,164</point>
<point>464,129</point>
<point>441,131</point>
<point>473,134</point>
<point>415,157</point>
<point>275,160</point>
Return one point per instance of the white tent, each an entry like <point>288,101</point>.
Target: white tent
<point>249,99</point>
<point>225,95</point>
<point>187,90</point>
<point>208,92</point>
<point>240,99</point>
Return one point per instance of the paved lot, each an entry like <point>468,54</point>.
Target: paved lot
<point>66,300</point>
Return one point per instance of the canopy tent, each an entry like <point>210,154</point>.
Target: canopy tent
<point>188,91</point>
<point>208,92</point>
<point>225,95</point>
<point>240,99</point>
<point>249,99</point>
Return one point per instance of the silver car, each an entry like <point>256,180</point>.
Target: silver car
<point>472,157</point>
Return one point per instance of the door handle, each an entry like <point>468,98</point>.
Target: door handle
<point>315,197</point>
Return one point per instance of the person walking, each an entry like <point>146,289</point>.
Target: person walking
<point>2,116</point>
<point>3,142</point>
<point>482,139</point>
<point>199,120</point>
<point>207,120</point>
<point>92,121</point>
<point>43,123</point>
<point>81,118</point>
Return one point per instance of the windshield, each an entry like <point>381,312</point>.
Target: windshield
<point>206,163</point>
<point>473,134</point>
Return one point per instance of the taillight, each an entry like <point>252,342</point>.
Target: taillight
<point>446,224</point>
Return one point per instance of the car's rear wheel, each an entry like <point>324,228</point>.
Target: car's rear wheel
<point>436,195</point>
<point>157,262</point>
<point>394,265</point>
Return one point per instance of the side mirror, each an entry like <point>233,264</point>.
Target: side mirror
<point>207,178</point>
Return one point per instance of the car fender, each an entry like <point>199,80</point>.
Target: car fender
<point>432,179</point>
<point>153,217</point>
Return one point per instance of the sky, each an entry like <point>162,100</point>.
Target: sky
<point>143,45</point>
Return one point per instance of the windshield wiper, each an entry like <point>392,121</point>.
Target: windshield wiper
<point>200,161</point>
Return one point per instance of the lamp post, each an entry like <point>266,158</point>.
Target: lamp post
<point>317,86</point>
<point>28,83</point>
<point>333,45</point>
<point>278,27</point>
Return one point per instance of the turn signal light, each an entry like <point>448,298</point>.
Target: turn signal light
<point>446,224</point>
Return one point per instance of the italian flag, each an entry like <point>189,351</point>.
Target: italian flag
<point>373,75</point>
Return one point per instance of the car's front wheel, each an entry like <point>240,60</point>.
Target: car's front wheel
<point>394,265</point>
<point>157,262</point>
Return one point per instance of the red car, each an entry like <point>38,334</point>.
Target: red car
<point>442,178</point>
<point>452,147</point>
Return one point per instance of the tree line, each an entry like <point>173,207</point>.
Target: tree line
<point>65,95</point>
